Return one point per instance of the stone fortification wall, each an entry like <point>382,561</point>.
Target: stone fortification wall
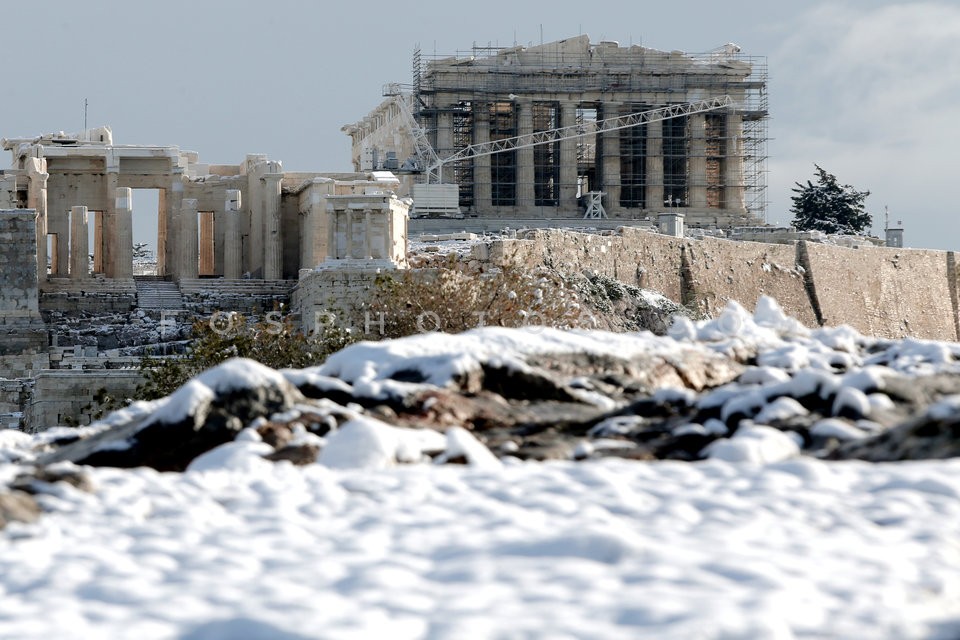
<point>248,297</point>
<point>67,397</point>
<point>12,394</point>
<point>880,291</point>
<point>716,271</point>
<point>890,293</point>
<point>23,336</point>
<point>884,292</point>
<point>332,291</point>
<point>96,295</point>
<point>18,263</point>
<point>23,365</point>
<point>703,274</point>
<point>633,256</point>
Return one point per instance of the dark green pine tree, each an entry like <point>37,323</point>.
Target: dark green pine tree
<point>829,207</point>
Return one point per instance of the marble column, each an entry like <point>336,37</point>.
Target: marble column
<point>232,258</point>
<point>610,161</point>
<point>482,193</point>
<point>172,200</point>
<point>255,165</point>
<point>733,165</point>
<point>59,203</point>
<point>79,244</point>
<point>445,134</point>
<point>698,161</point>
<point>123,255</point>
<point>654,193</point>
<point>367,250</point>
<point>37,200</point>
<point>272,236</point>
<point>568,159</point>
<point>309,223</point>
<point>526,195</point>
<point>162,212</point>
<point>188,255</point>
<point>108,218</point>
<point>333,248</point>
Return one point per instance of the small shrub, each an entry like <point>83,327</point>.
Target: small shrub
<point>272,343</point>
<point>458,298</point>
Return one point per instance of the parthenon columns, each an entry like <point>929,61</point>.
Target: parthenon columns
<point>654,195</point>
<point>525,171</point>
<point>698,161</point>
<point>482,192</point>
<point>79,244</point>
<point>610,159</point>
<point>232,250</point>
<point>568,158</point>
<point>445,134</point>
<point>733,167</point>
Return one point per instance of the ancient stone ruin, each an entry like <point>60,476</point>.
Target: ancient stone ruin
<point>617,142</point>
<point>229,237</point>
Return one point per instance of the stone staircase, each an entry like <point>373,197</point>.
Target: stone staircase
<point>204,295</point>
<point>157,293</point>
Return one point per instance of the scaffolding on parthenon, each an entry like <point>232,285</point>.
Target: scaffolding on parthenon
<point>490,93</point>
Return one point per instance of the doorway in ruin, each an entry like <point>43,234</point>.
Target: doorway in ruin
<point>587,175</point>
<point>146,231</point>
<point>95,249</point>
<point>53,246</point>
<point>206,244</point>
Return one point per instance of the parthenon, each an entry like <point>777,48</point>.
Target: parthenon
<point>708,165</point>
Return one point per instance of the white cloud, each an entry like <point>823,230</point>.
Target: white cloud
<point>871,95</point>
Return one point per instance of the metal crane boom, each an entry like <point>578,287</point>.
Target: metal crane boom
<point>435,168</point>
<point>422,148</point>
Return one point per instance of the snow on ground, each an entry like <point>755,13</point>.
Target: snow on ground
<point>756,542</point>
<point>604,549</point>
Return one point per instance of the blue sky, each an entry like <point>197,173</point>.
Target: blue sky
<point>867,89</point>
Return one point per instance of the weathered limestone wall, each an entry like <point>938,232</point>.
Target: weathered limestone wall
<point>18,263</point>
<point>885,292</point>
<point>12,394</point>
<point>636,257</point>
<point>336,291</point>
<point>94,295</point>
<point>23,336</point>
<point>67,397</point>
<point>888,292</point>
<point>716,271</point>
<point>247,297</point>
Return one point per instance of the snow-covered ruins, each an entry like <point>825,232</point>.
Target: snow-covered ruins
<point>768,447</point>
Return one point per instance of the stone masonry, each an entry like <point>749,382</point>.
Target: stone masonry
<point>884,292</point>
<point>23,335</point>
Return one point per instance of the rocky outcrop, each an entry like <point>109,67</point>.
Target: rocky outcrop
<point>208,411</point>
<point>17,506</point>
<point>710,389</point>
